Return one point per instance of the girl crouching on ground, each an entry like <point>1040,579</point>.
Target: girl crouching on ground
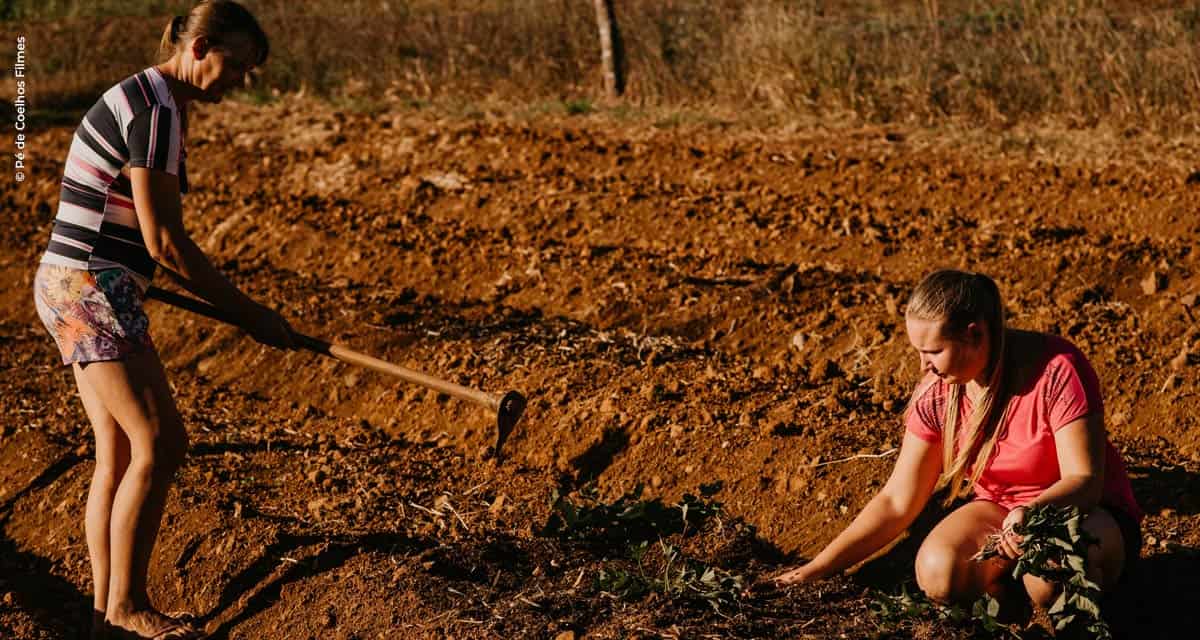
<point>1014,417</point>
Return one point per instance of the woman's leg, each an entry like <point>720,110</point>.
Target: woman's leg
<point>945,570</point>
<point>135,392</point>
<point>112,458</point>
<point>1105,560</point>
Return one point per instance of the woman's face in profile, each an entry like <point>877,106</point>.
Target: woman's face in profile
<point>955,360</point>
<point>222,67</point>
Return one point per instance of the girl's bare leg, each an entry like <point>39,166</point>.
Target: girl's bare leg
<point>112,458</point>
<point>135,393</point>
<point>945,570</point>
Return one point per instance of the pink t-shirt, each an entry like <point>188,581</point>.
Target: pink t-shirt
<point>1025,460</point>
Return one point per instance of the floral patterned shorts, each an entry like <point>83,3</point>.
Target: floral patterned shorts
<point>92,315</point>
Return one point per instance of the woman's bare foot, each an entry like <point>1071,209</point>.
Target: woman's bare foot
<point>150,624</point>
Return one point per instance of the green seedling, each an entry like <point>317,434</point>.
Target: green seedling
<point>629,519</point>
<point>641,528</point>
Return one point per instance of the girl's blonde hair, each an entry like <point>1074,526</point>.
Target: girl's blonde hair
<point>215,20</point>
<point>959,298</point>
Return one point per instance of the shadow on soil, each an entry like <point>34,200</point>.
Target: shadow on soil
<point>54,603</point>
<point>592,462</point>
<point>259,586</point>
<point>1173,487</point>
<point>1161,591</point>
<point>1164,586</point>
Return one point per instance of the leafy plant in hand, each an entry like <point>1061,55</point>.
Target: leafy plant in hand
<point>1054,547</point>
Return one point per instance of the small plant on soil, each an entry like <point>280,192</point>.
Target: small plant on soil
<point>641,528</point>
<point>1055,548</point>
<point>892,611</point>
<point>672,574</point>
<point>629,519</point>
<point>578,107</point>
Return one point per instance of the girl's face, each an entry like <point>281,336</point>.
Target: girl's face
<point>216,69</point>
<point>954,359</point>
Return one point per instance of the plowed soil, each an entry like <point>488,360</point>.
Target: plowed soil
<point>681,303</point>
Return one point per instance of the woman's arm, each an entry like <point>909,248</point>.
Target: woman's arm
<point>885,516</point>
<point>159,212</point>
<point>1080,447</point>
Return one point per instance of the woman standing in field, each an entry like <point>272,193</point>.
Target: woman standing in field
<point>1014,415</point>
<point>119,217</point>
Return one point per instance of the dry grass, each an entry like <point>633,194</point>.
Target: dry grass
<point>1083,62</point>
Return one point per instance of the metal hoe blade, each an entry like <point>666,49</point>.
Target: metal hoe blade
<point>511,406</point>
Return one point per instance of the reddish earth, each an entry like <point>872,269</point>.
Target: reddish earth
<point>681,303</point>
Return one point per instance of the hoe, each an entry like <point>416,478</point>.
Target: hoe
<point>508,408</point>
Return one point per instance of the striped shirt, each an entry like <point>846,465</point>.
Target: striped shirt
<point>134,124</point>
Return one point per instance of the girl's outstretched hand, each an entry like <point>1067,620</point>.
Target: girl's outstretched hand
<point>799,575</point>
<point>796,575</point>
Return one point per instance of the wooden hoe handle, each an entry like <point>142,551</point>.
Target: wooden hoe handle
<point>508,408</point>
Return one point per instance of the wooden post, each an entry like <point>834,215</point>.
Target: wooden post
<point>610,49</point>
<point>934,14</point>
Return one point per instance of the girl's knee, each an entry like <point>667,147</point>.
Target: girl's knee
<point>112,455</point>
<point>164,455</point>
<point>1106,559</point>
<point>107,473</point>
<point>1041,592</point>
<point>935,569</point>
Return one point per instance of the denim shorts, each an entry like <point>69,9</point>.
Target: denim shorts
<point>92,315</point>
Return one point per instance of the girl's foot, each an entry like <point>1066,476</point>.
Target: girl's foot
<point>148,624</point>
